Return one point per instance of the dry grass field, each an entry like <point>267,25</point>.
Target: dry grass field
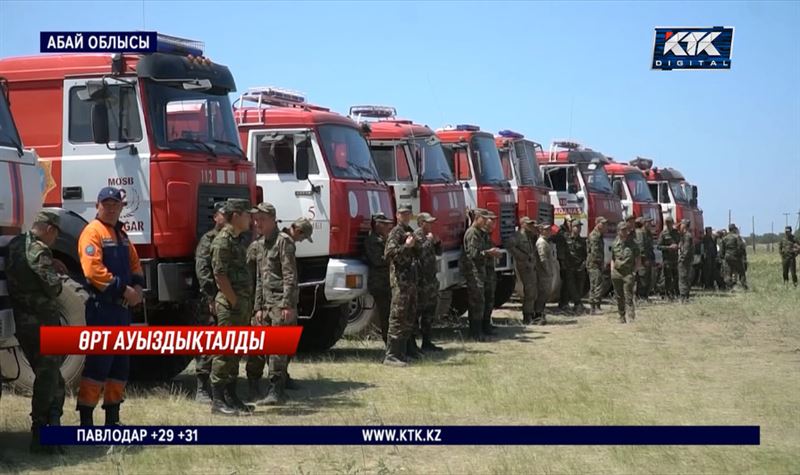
<point>729,358</point>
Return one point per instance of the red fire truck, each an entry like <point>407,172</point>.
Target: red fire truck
<point>160,127</point>
<point>314,163</point>
<point>410,158</point>
<point>630,185</point>
<point>475,161</point>
<point>518,157</point>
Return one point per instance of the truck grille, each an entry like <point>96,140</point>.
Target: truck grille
<point>545,213</point>
<point>508,220</point>
<point>207,195</point>
<point>312,269</point>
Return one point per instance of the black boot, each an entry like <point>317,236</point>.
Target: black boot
<point>86,414</point>
<point>233,400</point>
<point>428,345</point>
<point>112,414</point>
<point>203,394</point>
<point>218,403</point>
<point>276,394</point>
<point>291,384</point>
<point>412,350</point>
<point>254,391</point>
<point>394,354</point>
<point>475,333</point>
<point>526,318</point>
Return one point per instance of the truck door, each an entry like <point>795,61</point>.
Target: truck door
<point>394,164</point>
<point>123,162</point>
<point>458,159</point>
<point>566,196</point>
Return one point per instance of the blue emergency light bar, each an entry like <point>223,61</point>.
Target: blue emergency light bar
<point>182,46</point>
<point>468,127</point>
<point>274,96</point>
<point>374,112</point>
<point>510,134</point>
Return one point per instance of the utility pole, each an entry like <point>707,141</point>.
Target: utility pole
<point>786,215</point>
<point>772,231</point>
<point>729,216</point>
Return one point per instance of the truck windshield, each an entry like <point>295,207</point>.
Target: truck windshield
<point>527,169</point>
<point>640,190</point>
<point>678,193</point>
<point>8,133</point>
<point>347,152</point>
<point>596,178</point>
<point>434,164</point>
<point>486,160</point>
<point>192,120</point>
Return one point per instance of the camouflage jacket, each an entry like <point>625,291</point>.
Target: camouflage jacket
<point>669,237</point>
<point>522,248</point>
<point>202,265</point>
<point>32,283</point>
<point>473,259</point>
<point>428,250</point>
<point>378,278</point>
<point>491,262</point>
<point>403,261</point>
<point>644,240</point>
<point>545,256</point>
<point>257,263</point>
<point>624,254</point>
<point>686,249</point>
<point>788,247</point>
<point>576,253</point>
<point>280,277</point>
<point>229,258</point>
<point>595,250</point>
<point>732,248</point>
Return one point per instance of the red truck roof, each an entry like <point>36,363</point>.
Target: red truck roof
<point>395,129</point>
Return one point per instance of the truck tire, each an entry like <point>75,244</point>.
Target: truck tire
<point>360,314</point>
<point>72,303</point>
<point>504,289</point>
<point>322,331</point>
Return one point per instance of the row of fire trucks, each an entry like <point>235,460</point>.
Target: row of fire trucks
<point>161,127</point>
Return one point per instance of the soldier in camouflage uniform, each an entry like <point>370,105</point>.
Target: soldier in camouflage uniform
<point>490,285</point>
<point>233,304</point>
<point>265,226</point>
<point>428,284</point>
<point>595,260</point>
<point>544,273</point>
<point>473,267</point>
<point>624,261</point>
<point>208,291</point>
<point>644,240</point>
<point>378,277</point>
<point>558,240</point>
<point>281,293</point>
<point>734,258</point>
<point>789,249</point>
<point>685,258</point>
<point>402,253</point>
<point>668,245</point>
<point>523,249</point>
<point>576,258</point>
<point>34,285</point>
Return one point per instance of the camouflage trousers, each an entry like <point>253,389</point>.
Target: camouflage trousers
<point>528,278</point>
<point>733,271</point>
<point>670,270</point>
<point>202,363</point>
<point>684,279</point>
<point>383,305</point>
<point>543,282</point>
<point>47,402</point>
<point>279,364</point>
<point>643,279</point>
<point>489,288</point>
<point>476,298</point>
<point>595,285</point>
<point>427,302</point>
<point>789,266</point>
<point>225,368</point>
<point>623,291</point>
<point>403,312</point>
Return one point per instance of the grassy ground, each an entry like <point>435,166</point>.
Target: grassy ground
<point>723,359</point>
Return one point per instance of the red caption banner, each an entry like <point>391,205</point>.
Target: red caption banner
<point>169,340</point>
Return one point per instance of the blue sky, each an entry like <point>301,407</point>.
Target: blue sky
<point>513,65</point>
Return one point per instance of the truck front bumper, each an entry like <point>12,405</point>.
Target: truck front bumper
<point>345,280</point>
<point>448,271</point>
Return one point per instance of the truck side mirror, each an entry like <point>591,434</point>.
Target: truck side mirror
<point>100,123</point>
<point>301,165</point>
<point>578,195</point>
<point>616,185</point>
<point>694,192</point>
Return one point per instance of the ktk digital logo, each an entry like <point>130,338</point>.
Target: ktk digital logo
<point>693,48</point>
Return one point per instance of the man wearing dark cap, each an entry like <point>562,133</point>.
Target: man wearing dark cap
<point>378,277</point>
<point>708,251</point>
<point>402,253</point>
<point>576,260</point>
<point>789,249</point>
<point>281,294</point>
<point>624,256</point>
<point>115,281</point>
<point>430,246</point>
<point>523,249</point>
<point>668,245</point>
<point>558,240</point>
<point>644,240</point>
<point>595,261</point>
<point>233,303</point>
<point>473,267</point>
<point>33,285</point>
<point>265,227</point>
<point>734,258</point>
<point>208,291</point>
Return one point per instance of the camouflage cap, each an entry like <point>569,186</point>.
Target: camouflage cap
<point>264,208</point>
<point>47,217</point>
<point>304,224</point>
<point>640,220</point>
<point>238,205</point>
<point>623,226</point>
<point>685,222</point>
<point>731,227</point>
<point>425,218</point>
<point>526,220</point>
<point>404,208</point>
<point>484,213</point>
<point>381,218</point>
<point>600,220</point>
<point>220,206</point>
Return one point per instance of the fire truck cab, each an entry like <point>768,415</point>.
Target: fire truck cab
<point>410,158</point>
<point>160,127</point>
<point>475,161</point>
<point>581,188</point>
<point>518,157</point>
<point>314,163</point>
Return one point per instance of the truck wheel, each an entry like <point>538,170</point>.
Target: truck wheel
<point>360,313</point>
<point>504,289</point>
<point>324,330</point>
<point>72,303</point>
<point>459,303</point>
<point>157,368</point>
